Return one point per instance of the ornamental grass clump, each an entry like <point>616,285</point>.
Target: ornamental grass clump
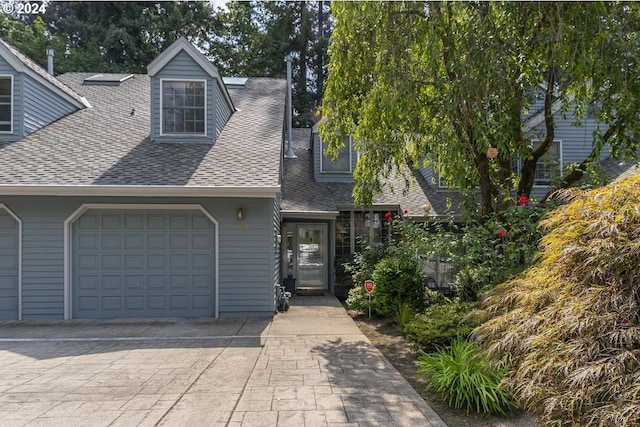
<point>569,327</point>
<point>465,379</point>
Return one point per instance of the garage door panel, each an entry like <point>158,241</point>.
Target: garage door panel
<point>9,261</point>
<point>8,282</point>
<point>156,262</point>
<point>111,283</point>
<point>202,281</point>
<point>111,262</point>
<point>201,241</point>
<point>178,261</point>
<point>88,241</point>
<point>87,222</point>
<point>148,264</point>
<point>177,222</point>
<point>157,282</point>
<point>157,242</point>
<point>134,303</point>
<point>134,262</point>
<point>88,282</point>
<point>178,242</point>
<point>178,302</point>
<point>201,301</point>
<point>88,303</point>
<point>134,222</point>
<point>111,222</point>
<point>112,303</point>
<point>111,242</point>
<point>133,242</point>
<point>178,282</point>
<point>156,222</point>
<point>9,266</point>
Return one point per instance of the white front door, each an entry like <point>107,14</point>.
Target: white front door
<point>312,256</point>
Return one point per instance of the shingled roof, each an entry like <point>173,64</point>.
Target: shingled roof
<point>23,63</point>
<point>302,195</point>
<point>108,146</point>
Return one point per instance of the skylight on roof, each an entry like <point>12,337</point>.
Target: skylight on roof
<point>108,79</point>
<point>235,81</point>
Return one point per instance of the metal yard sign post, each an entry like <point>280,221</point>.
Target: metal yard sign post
<point>369,285</point>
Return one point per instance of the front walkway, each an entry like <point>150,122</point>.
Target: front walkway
<point>310,366</point>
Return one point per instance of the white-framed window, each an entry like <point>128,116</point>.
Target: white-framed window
<point>549,166</point>
<point>6,104</point>
<point>342,164</point>
<point>183,107</point>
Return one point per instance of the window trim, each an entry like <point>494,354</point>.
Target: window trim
<point>11,104</point>
<point>560,162</point>
<point>323,155</point>
<point>183,135</point>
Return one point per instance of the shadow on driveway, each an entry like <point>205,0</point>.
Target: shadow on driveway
<point>53,339</point>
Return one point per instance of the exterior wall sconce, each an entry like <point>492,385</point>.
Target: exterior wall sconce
<point>240,214</point>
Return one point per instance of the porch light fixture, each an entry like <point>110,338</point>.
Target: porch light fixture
<point>240,214</point>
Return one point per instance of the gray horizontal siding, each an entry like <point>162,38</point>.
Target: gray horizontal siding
<point>246,264</point>
<point>42,106</point>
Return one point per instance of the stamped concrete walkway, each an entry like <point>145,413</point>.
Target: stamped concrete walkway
<point>310,366</point>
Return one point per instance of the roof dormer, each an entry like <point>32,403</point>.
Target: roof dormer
<point>30,98</point>
<point>189,101</point>
<point>328,169</point>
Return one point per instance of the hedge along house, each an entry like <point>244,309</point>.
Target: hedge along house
<point>138,195</point>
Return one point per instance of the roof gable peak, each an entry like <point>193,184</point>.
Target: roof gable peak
<point>182,45</point>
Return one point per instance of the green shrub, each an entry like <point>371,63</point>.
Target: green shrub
<point>441,324</point>
<point>402,316</point>
<point>569,327</point>
<point>361,267</point>
<point>434,298</point>
<point>462,375</point>
<point>358,299</point>
<point>399,281</point>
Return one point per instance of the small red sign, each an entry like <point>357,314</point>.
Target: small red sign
<point>368,285</point>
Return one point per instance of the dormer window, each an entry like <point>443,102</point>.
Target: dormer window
<point>342,164</point>
<point>6,107</point>
<point>183,107</point>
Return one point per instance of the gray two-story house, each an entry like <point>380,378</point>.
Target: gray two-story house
<point>138,195</point>
<point>170,194</point>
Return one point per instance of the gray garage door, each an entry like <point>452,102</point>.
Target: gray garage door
<point>143,264</point>
<point>8,266</point>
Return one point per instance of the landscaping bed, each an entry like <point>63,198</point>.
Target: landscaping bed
<point>391,343</point>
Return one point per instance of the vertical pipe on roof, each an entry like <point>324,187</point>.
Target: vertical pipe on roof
<point>290,154</point>
<point>50,61</point>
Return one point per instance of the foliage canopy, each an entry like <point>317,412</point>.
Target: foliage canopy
<point>443,82</point>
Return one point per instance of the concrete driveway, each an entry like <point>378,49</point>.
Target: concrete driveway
<point>310,366</point>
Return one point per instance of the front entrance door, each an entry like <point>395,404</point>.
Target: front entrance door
<point>312,256</point>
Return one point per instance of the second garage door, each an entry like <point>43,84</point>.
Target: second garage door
<point>9,249</point>
<point>143,264</point>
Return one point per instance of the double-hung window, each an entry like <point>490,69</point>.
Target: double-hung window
<point>6,107</point>
<point>183,107</point>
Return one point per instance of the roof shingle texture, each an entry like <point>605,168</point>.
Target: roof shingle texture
<point>302,194</point>
<point>107,146</point>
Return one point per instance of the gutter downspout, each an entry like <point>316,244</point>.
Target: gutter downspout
<point>290,154</point>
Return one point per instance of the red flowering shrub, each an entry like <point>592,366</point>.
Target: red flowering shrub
<point>523,199</point>
<point>501,233</point>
